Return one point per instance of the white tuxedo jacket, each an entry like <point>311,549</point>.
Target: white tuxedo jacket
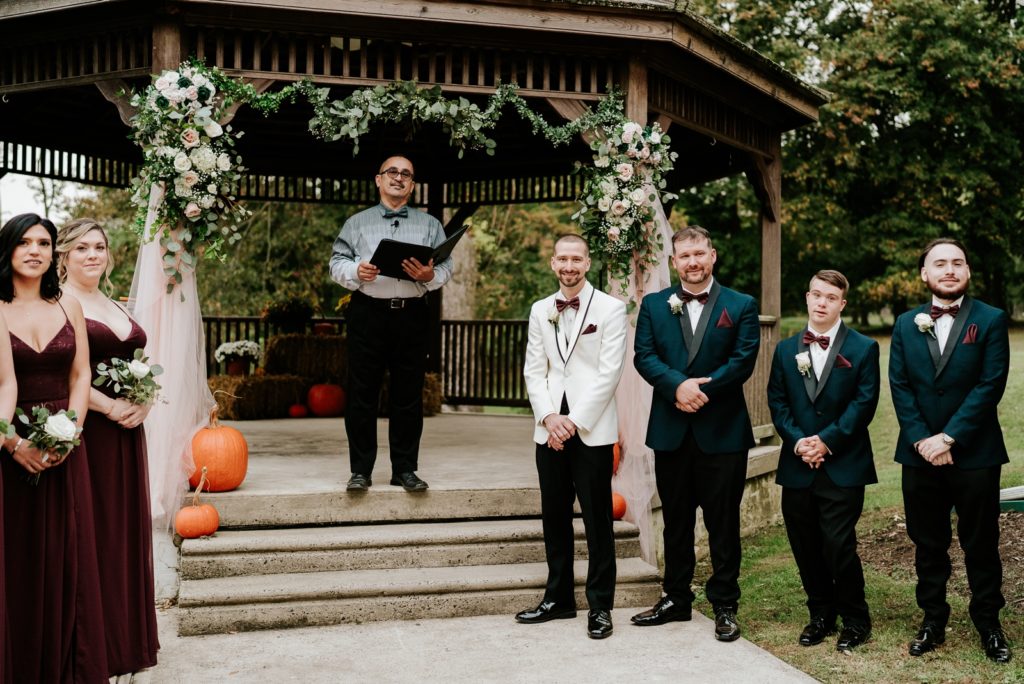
<point>586,368</point>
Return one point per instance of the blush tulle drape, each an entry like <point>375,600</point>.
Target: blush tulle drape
<point>174,326</point>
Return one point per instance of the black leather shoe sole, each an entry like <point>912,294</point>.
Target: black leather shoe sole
<point>732,636</point>
<point>360,485</point>
<point>661,620</point>
<point>420,486</point>
<point>599,633</point>
<point>546,617</point>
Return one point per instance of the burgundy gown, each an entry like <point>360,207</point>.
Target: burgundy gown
<point>120,486</point>
<point>54,612</point>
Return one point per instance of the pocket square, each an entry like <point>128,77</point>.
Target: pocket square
<point>972,334</point>
<point>592,328</point>
<point>842,362</point>
<point>724,321</point>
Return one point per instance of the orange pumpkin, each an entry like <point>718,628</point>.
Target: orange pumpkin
<point>197,520</point>
<point>618,506</point>
<point>326,400</point>
<point>223,451</point>
<point>616,457</point>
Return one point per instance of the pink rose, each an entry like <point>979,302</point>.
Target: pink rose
<point>190,137</point>
<point>192,210</point>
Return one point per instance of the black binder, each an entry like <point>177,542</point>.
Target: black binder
<point>390,254</point>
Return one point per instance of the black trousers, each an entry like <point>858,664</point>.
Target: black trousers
<point>688,478</point>
<point>383,338</point>
<point>929,496</point>
<point>585,472</point>
<point>821,521</point>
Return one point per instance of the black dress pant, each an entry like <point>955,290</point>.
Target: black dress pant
<point>929,495</point>
<point>394,339</point>
<point>821,521</point>
<point>585,472</point>
<point>688,478</point>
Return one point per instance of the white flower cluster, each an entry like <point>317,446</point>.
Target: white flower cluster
<point>243,349</point>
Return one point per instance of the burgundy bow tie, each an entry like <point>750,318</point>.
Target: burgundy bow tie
<point>688,297</point>
<point>940,311</point>
<point>560,304</point>
<point>810,338</point>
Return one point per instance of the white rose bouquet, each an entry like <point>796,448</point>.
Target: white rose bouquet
<point>133,381</point>
<point>52,433</point>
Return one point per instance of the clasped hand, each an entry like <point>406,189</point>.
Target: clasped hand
<point>29,457</point>
<point>689,397</point>
<point>560,430</point>
<point>812,451</point>
<point>935,451</point>
<point>127,414</point>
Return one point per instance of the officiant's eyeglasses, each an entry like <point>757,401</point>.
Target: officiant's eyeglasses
<point>395,173</point>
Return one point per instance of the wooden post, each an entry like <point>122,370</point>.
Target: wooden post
<point>770,172</point>
<point>166,43</point>
<point>636,91</point>
<point>435,207</point>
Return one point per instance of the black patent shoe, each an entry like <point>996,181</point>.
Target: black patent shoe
<point>547,610</point>
<point>358,483</point>
<point>928,638</point>
<point>409,482</point>
<point>852,637</point>
<point>726,627</point>
<point>599,624</point>
<point>997,647</point>
<point>665,610</point>
<point>816,631</point>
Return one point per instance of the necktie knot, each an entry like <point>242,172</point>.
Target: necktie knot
<point>940,311</point>
<point>811,339</point>
<point>688,297</point>
<point>561,304</point>
<point>396,213</point>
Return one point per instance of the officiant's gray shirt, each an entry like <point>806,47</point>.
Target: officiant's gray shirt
<point>359,238</point>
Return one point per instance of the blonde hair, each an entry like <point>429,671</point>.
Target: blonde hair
<point>69,235</point>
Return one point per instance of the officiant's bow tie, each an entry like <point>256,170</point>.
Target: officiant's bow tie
<point>940,311</point>
<point>821,340</point>
<point>560,304</point>
<point>400,213</point>
<point>688,297</point>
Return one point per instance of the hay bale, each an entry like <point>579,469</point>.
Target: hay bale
<point>431,395</point>
<point>321,358</point>
<point>257,396</point>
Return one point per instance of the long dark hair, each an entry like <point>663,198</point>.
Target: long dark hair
<point>10,236</point>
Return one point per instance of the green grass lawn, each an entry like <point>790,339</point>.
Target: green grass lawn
<point>772,610</point>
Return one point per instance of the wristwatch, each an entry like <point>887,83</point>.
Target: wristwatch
<point>947,440</point>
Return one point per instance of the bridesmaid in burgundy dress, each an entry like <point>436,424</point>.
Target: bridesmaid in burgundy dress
<point>118,468</point>
<point>8,400</point>
<point>54,610</point>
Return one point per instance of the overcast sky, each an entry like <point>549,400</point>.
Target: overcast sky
<point>16,197</point>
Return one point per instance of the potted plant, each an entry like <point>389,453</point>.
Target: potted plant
<point>289,315</point>
<point>237,356</point>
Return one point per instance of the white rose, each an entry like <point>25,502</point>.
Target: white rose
<point>189,178</point>
<point>192,210</point>
<point>604,204</point>
<point>609,188</point>
<point>166,151</point>
<point>175,95</point>
<point>60,427</point>
<point>620,206</point>
<point>803,363</point>
<point>189,138</point>
<point>192,93</point>
<point>138,369</point>
<point>213,129</point>
<point>182,163</point>
<point>655,138</point>
<point>656,157</point>
<point>638,196</point>
<point>645,152</point>
<point>203,158</point>
<point>602,162</point>
<point>224,162</point>
<point>212,188</point>
<point>624,170</point>
<point>627,135</point>
<point>613,233</point>
<point>675,304</point>
<point>206,201</point>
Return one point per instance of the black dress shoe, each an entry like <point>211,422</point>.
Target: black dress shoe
<point>997,648</point>
<point>599,624</point>
<point>665,610</point>
<point>816,631</point>
<point>852,637</point>
<point>358,483</point>
<point>547,610</point>
<point>928,638</point>
<point>409,482</point>
<point>726,627</point>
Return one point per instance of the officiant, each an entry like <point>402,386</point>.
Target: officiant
<point>388,325</point>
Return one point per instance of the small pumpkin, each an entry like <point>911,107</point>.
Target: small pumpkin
<point>197,520</point>
<point>222,451</point>
<point>298,411</point>
<point>326,400</point>
<point>618,506</point>
<point>616,457</point>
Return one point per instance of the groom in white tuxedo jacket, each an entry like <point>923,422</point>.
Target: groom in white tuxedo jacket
<point>574,358</point>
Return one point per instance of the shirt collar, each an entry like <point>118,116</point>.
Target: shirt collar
<point>830,333</point>
<point>958,302</point>
<point>706,289</point>
<point>383,208</point>
<point>582,294</point>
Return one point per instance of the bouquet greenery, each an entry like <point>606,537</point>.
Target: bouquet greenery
<point>50,432</point>
<point>133,380</point>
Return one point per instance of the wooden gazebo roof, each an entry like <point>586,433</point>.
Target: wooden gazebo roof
<point>63,61</point>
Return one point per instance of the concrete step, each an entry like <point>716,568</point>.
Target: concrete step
<point>484,542</point>
<point>247,603</point>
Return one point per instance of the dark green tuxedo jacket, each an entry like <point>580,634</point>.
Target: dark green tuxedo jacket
<point>724,348</point>
<point>838,408</point>
<point>956,392</point>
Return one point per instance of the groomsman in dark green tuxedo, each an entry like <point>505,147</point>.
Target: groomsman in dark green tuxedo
<point>696,344</point>
<point>823,392</point>
<point>948,367</point>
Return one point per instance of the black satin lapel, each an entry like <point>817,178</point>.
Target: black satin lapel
<point>687,330</point>
<point>810,382</point>
<point>933,348</point>
<point>830,360</point>
<point>702,324</point>
<point>580,322</point>
<point>954,335</point>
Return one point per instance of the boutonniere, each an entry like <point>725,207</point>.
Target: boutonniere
<point>925,324</point>
<point>553,315</point>
<point>803,364</point>
<point>675,304</point>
